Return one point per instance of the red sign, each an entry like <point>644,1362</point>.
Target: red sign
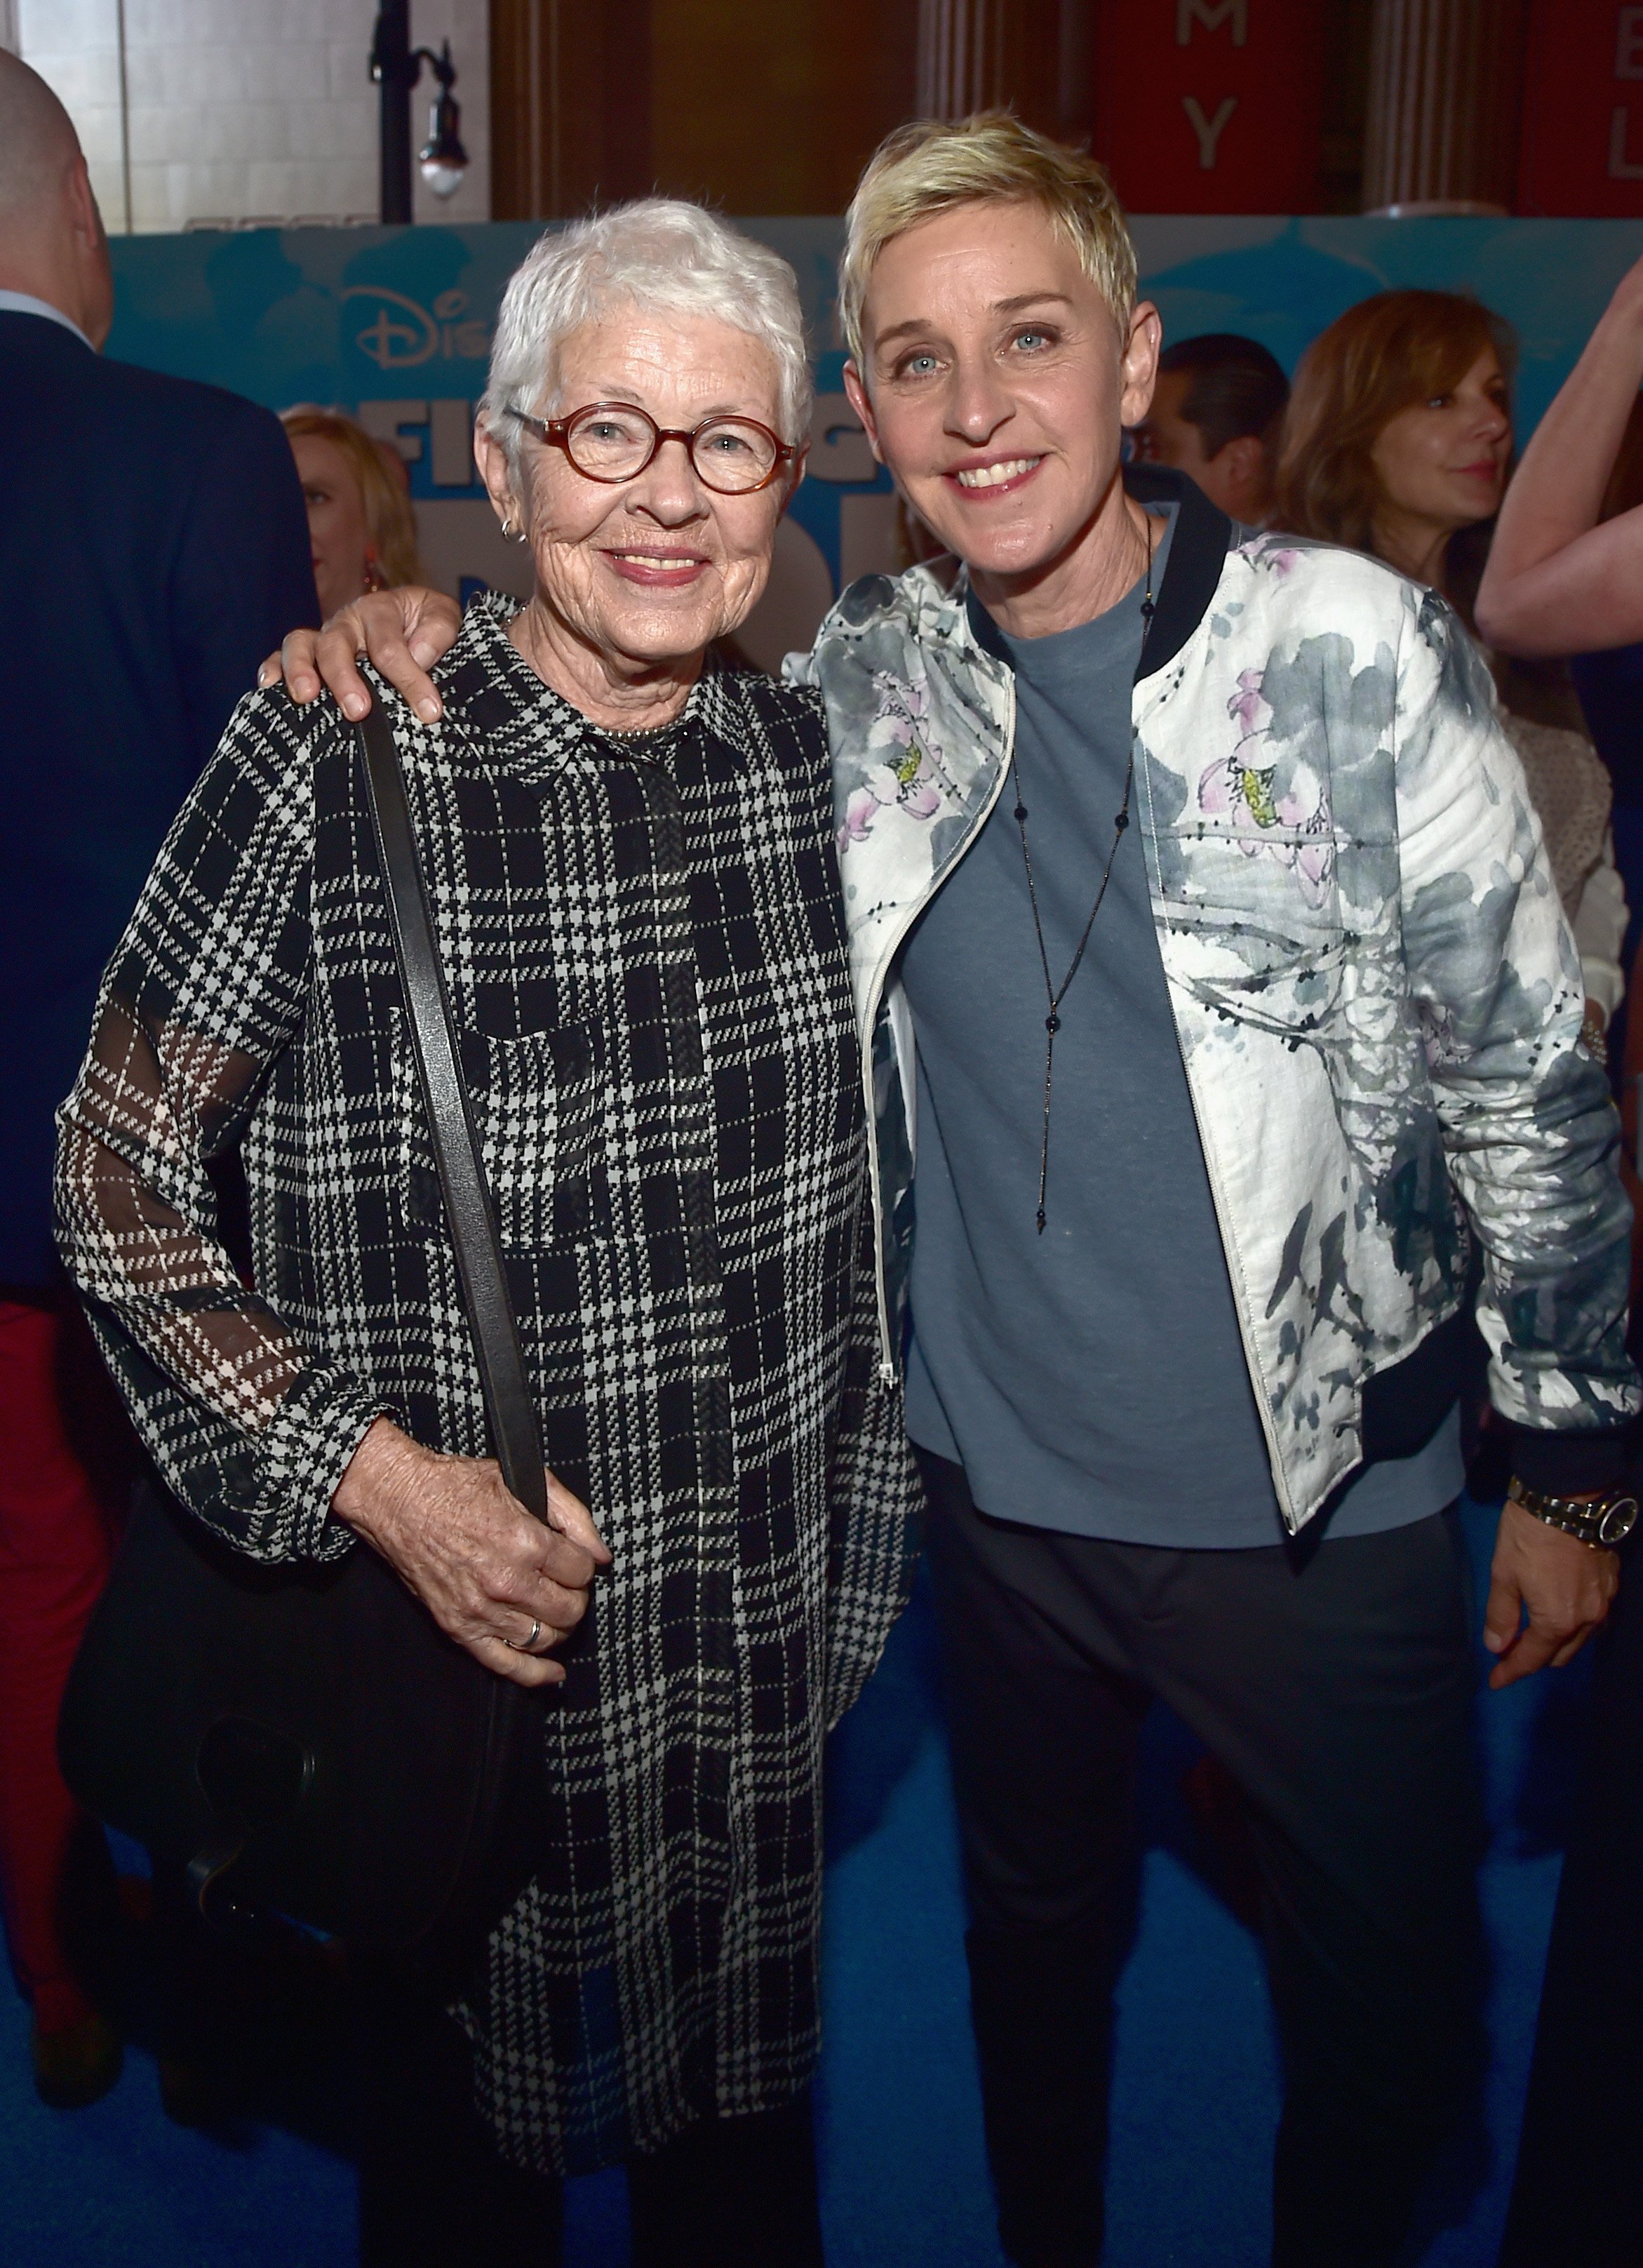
<point>1210,105</point>
<point>1581,153</point>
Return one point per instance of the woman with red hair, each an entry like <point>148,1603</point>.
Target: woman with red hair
<point>1398,441</point>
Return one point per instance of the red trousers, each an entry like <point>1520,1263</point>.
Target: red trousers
<point>54,1544</point>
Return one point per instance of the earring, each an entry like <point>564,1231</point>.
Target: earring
<point>375,579</point>
<point>514,534</point>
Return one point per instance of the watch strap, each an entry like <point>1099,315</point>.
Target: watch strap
<point>1603,1521</point>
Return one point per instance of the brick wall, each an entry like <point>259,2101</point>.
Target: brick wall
<point>240,110</point>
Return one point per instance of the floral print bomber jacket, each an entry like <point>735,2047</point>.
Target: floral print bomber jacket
<point>1377,997</point>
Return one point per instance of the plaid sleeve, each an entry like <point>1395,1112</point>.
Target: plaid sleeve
<point>876,1505</point>
<point>206,988</point>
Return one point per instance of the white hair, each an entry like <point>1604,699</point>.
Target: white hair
<point>656,253</point>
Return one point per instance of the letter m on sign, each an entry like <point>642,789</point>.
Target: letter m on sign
<point>1245,76</point>
<point>1212,14</point>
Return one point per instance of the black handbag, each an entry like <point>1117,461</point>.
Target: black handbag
<point>305,1741</point>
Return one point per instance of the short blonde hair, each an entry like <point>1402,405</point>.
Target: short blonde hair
<point>390,516</point>
<point>935,165</point>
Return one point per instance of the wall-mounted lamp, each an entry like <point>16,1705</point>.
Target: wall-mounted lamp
<point>396,66</point>
<point>442,159</point>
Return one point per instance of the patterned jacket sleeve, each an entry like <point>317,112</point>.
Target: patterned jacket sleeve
<point>1530,1132</point>
<point>876,1502</point>
<point>251,1428</point>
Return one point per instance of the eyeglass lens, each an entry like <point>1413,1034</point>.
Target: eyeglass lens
<point>613,444</point>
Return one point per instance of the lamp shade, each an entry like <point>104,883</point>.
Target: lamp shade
<point>442,159</point>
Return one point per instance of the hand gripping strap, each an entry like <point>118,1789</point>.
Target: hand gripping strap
<point>509,1412</point>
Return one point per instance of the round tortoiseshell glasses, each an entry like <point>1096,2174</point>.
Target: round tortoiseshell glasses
<point>613,441</point>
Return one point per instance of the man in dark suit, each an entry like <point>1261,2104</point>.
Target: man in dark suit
<point>153,548</point>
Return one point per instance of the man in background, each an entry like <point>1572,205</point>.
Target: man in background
<point>1215,415</point>
<point>140,499</point>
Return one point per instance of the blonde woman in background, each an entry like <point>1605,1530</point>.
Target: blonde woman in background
<point>361,524</point>
<point>1398,441</point>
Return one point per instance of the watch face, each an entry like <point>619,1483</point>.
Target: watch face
<point>1618,1520</point>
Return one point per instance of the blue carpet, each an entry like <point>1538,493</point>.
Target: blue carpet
<point>1195,2090</point>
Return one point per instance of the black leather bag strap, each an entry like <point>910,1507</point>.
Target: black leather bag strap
<point>510,1410</point>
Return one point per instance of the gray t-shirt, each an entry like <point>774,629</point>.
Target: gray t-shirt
<point>1093,1378</point>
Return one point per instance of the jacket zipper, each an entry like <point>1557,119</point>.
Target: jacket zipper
<point>1251,1360</point>
<point>888,1366</point>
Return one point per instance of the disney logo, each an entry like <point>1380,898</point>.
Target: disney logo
<point>402,334</point>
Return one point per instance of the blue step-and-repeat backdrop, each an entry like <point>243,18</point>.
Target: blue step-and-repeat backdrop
<point>394,325</point>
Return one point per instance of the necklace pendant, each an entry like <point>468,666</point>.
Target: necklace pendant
<point>1052,1024</point>
<point>1042,1218</point>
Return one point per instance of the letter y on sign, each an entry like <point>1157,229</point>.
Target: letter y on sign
<point>1208,130</point>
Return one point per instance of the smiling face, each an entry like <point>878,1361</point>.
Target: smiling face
<point>643,575</point>
<point>995,384</point>
<point>1441,465</point>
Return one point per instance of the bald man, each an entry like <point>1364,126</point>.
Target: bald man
<point>171,514</point>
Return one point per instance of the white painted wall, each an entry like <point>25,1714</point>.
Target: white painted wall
<point>248,110</point>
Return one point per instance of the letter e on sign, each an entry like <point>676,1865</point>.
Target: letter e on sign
<point>1629,43</point>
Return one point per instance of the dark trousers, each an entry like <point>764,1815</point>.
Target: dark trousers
<point>1578,2198</point>
<point>727,2193</point>
<point>1335,1686</point>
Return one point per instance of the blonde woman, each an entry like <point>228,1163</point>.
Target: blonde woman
<point>362,528</point>
<point>1187,895</point>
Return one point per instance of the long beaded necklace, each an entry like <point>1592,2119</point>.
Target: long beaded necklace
<point>1054,994</point>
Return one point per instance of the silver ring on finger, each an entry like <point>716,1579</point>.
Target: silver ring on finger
<point>525,1646</point>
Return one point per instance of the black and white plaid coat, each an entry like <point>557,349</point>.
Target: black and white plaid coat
<point>643,946</point>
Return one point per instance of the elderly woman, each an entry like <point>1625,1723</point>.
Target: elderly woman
<point>629,855</point>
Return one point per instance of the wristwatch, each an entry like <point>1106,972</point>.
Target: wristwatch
<point>1600,1520</point>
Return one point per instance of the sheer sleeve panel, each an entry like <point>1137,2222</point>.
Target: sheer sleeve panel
<point>250,1428</point>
